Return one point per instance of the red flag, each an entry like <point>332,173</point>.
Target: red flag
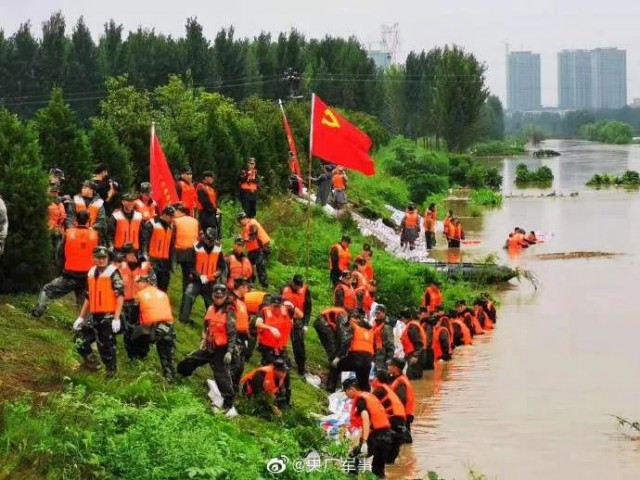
<point>336,140</point>
<point>294,164</point>
<point>163,187</point>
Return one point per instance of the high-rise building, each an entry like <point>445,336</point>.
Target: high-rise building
<point>523,81</point>
<point>609,78</point>
<point>575,89</point>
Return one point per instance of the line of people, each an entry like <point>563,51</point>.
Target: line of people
<point>411,225</point>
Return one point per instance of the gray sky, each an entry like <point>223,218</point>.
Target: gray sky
<point>481,26</point>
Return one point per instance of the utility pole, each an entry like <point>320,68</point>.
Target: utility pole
<point>293,77</point>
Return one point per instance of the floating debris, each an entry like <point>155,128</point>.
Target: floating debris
<point>572,255</point>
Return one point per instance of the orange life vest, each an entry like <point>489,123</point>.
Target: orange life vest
<point>464,330</point>
<point>362,279</point>
<point>187,229</point>
<point>513,243</point>
<point>410,405</point>
<point>253,300</point>
<point>217,326</point>
<point>483,318</point>
<point>367,298</point>
<point>393,406</point>
<point>378,329</point>
<point>78,249</point>
<point>147,209</point>
<point>368,270</point>
<point>411,219</point>
<point>127,231</point>
<point>477,327</point>
<point>437,348</point>
<point>155,306</point>
<point>160,244</point>
<point>207,263</point>
<point>270,384</point>
<point>445,224</point>
<point>362,340</point>
<point>261,238</point>
<point>429,221</point>
<point>102,297</point>
<point>238,269</point>
<point>435,298</point>
<point>344,258</point>
<point>278,317</point>
<point>377,416</point>
<point>211,193</point>
<point>56,215</point>
<point>129,278</point>
<point>188,195</point>
<point>338,181</point>
<point>407,344</point>
<point>94,207</point>
<point>242,315</point>
<point>250,182</point>
<point>297,298</point>
<point>455,231</point>
<point>331,316</point>
<point>350,299</point>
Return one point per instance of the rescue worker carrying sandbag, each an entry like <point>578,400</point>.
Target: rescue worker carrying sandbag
<point>327,328</point>
<point>274,325</point>
<point>258,245</point>
<point>299,294</point>
<point>414,341</point>
<point>394,408</point>
<point>157,242</point>
<point>339,259</point>
<point>402,386</point>
<point>271,381</point>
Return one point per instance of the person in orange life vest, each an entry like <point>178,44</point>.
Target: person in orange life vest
<point>75,257</point>
<point>238,265</point>
<point>155,325</point>
<point>339,183</point>
<point>464,314</point>
<point>383,337</point>
<point>105,298</point>
<point>489,307</point>
<point>271,381</point>
<point>414,342</point>
<point>206,268</point>
<point>519,235</point>
<point>56,216</point>
<point>442,336</point>
<point>432,297</point>
<point>187,230</point>
<point>455,233</point>
<point>429,223</point>
<point>218,344</point>
<point>428,322</point>
<point>344,295</point>
<point>157,241</point>
<point>145,204</point>
<point>368,413</point>
<point>481,316</point>
<point>367,254</point>
<point>446,223</point>
<point>106,188</point>
<point>355,353</point>
<point>410,226</point>
<point>403,388</point>
<point>258,245</point>
<point>249,183</point>
<point>299,294</point>
<point>366,296</point>
<point>339,259</point>
<point>255,300</point>
<point>87,200</point>
<point>394,408</point>
<point>358,276</point>
<point>186,191</point>
<point>461,332</point>
<point>124,225</point>
<point>237,295</point>
<point>326,326</point>
<point>274,325</point>
<point>207,203</point>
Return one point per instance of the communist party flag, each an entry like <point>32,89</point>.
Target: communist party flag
<point>337,141</point>
<point>163,187</point>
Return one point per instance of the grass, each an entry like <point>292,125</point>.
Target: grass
<point>486,198</point>
<point>509,146</point>
<point>630,179</point>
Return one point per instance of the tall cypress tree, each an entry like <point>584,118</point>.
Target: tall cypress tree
<point>23,183</point>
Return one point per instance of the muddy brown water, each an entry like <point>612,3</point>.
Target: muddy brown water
<point>532,399</point>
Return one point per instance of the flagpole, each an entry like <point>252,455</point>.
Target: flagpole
<point>313,101</point>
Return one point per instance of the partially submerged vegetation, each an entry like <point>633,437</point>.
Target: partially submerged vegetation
<point>610,131</point>
<point>630,179</point>
<point>542,177</point>
<point>545,153</point>
<point>497,148</point>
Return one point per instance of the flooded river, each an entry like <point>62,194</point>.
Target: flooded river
<point>532,400</point>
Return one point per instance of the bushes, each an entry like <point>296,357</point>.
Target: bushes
<point>630,178</point>
<point>511,146</point>
<point>540,177</point>
<point>611,131</point>
<point>486,198</point>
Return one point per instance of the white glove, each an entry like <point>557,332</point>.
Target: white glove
<point>77,325</point>
<point>203,279</point>
<point>288,304</point>
<point>275,332</point>
<point>305,328</point>
<point>334,364</point>
<point>364,450</point>
<point>227,358</point>
<point>115,325</point>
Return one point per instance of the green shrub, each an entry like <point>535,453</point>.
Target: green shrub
<point>540,177</point>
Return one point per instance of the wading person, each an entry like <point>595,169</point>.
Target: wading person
<point>249,184</point>
<point>455,233</point>
<point>158,243</point>
<point>414,340</point>
<point>299,294</point>
<point>402,386</point>
<point>394,408</point>
<point>429,223</point>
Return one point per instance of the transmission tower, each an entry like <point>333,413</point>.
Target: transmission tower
<point>391,41</point>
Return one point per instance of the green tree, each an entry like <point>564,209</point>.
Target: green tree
<point>23,81</point>
<point>83,77</point>
<point>107,149</point>
<point>54,53</point>
<point>230,64</point>
<point>110,50</point>
<point>62,143</point>
<point>494,115</point>
<point>197,53</point>
<point>23,183</point>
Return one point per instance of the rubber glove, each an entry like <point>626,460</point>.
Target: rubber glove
<point>115,325</point>
<point>364,449</point>
<point>275,332</point>
<point>77,325</point>
<point>203,279</point>
<point>227,358</point>
<point>334,364</point>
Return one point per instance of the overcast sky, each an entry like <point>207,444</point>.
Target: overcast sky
<point>481,26</point>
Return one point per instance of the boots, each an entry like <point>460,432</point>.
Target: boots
<point>41,307</point>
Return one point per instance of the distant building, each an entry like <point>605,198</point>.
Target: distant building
<point>635,103</point>
<point>380,58</point>
<point>523,81</point>
<point>609,77</point>
<point>575,89</point>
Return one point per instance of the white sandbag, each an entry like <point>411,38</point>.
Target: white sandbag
<point>313,380</point>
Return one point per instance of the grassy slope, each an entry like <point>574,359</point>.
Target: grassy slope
<point>60,421</point>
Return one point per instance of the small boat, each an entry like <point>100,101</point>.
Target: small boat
<point>477,272</point>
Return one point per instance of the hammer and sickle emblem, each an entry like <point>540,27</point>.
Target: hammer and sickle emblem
<point>329,119</point>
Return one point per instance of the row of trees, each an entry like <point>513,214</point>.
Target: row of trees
<point>611,131</point>
<point>438,95</point>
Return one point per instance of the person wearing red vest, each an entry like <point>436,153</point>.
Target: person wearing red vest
<point>299,294</point>
<point>105,297</point>
<point>327,326</point>
<point>432,297</point>
<point>145,204</point>
<point>270,380</point>
<point>186,191</point>
<point>355,353</point>
<point>368,413</point>
<point>410,226</point>
<point>403,388</point>
<point>414,341</point>
<point>187,230</point>
<point>394,408</point>
<point>206,268</point>
<point>344,295</point>
<point>238,265</point>
<point>87,201</point>
<point>157,242</point>
<point>218,345</point>
<point>155,325</point>
<point>207,203</point>
<point>339,184</point>
<point>442,336</point>
<point>237,295</point>
<point>75,257</point>
<point>481,315</point>
<point>446,223</point>
<point>455,233</point>
<point>339,259</point>
<point>131,268</point>
<point>274,325</point>
<point>124,225</point>
<point>489,307</point>
<point>249,182</point>
<point>56,216</point>
<point>429,223</point>
<point>384,342</point>
<point>258,245</point>
<point>367,254</point>
<point>466,316</point>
